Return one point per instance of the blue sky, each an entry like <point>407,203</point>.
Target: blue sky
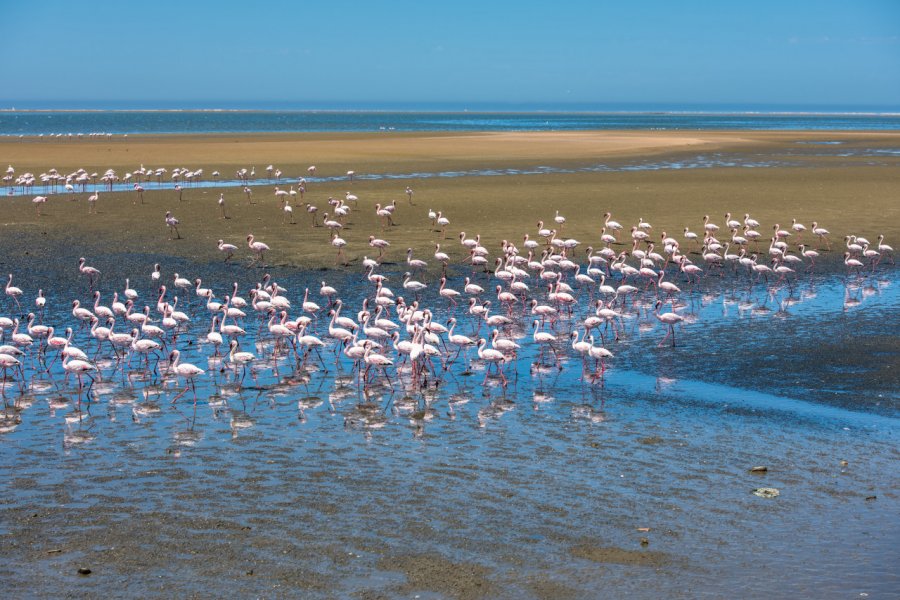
<point>815,53</point>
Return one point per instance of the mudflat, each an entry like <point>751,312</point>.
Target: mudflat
<point>848,188</point>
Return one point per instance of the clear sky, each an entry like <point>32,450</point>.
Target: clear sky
<point>675,53</point>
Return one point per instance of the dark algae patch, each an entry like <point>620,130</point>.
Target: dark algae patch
<point>620,556</point>
<point>435,573</point>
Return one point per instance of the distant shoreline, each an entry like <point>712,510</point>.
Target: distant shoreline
<point>697,113</point>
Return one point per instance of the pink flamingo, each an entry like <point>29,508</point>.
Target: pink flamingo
<point>186,371</point>
<point>669,319</point>
<point>91,272</point>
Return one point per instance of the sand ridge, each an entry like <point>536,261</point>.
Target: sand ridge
<point>335,153</point>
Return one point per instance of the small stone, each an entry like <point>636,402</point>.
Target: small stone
<point>645,541</point>
<point>250,572</point>
<point>766,492</point>
<point>759,469</point>
<point>84,571</point>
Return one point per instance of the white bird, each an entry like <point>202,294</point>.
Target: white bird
<point>172,224</point>
<point>227,249</point>
<point>258,248</point>
<point>236,358</point>
<point>91,272</point>
<point>14,292</point>
<point>186,371</point>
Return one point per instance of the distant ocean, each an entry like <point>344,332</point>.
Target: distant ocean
<point>33,120</point>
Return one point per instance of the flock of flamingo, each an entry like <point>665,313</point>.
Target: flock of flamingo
<point>418,336</point>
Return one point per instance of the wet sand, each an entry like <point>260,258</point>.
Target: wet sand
<point>845,194</point>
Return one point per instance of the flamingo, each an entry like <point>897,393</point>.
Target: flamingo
<point>221,203</point>
<point>328,291</point>
<point>599,354</point>
<point>233,331</point>
<point>214,337</point>
<point>458,340</point>
<point>239,358</point>
<point>8,361</point>
<point>414,263</point>
<point>81,368</point>
<point>21,340</point>
<point>258,248</point>
<point>377,361</point>
<point>442,222</point>
<point>492,358</point>
<point>287,211</point>
<point>172,224</point>
<point>852,263</point>
<point>339,243</point>
<point>667,286</point>
<point>450,294</point>
<point>612,225</point>
<point>227,249</point>
<point>186,371</point>
<point>412,285</point>
<point>311,343</point>
<point>102,312</point>
<point>822,233</point>
<point>92,202</point>
<point>338,333</point>
<point>38,202</point>
<point>582,347</point>
<point>91,272</point>
<point>473,288</point>
<point>312,210</point>
<point>544,340</point>
<point>40,302</point>
<point>731,223</point>
<point>13,292</point>
<point>504,345</point>
<point>669,319</point>
<point>441,257</point>
<point>278,330</point>
<point>884,249</point>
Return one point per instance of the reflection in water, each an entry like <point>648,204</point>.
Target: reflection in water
<point>510,478</point>
<point>278,376</point>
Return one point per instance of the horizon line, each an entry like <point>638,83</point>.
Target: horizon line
<point>893,111</point>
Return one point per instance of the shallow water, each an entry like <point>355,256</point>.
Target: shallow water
<point>302,483</point>
<point>62,123</point>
